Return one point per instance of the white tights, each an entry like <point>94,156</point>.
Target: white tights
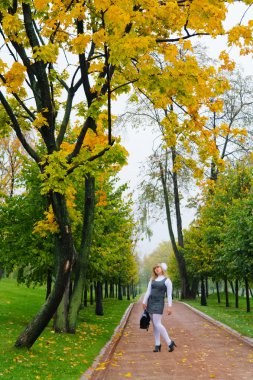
<point>159,329</point>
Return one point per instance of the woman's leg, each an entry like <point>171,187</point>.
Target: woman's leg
<point>155,331</point>
<point>159,329</point>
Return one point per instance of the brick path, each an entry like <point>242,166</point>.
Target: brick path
<point>203,351</point>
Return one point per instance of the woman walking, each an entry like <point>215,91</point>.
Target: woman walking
<point>153,301</point>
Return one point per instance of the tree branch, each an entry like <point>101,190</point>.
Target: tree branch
<point>16,127</point>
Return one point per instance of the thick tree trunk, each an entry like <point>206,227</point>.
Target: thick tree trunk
<point>61,315</point>
<point>99,304</point>
<point>82,260</point>
<point>185,289</point>
<point>49,283</point>
<point>64,261</point>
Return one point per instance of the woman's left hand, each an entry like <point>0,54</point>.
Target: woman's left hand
<point>169,310</point>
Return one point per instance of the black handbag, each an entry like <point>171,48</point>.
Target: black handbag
<point>145,320</point>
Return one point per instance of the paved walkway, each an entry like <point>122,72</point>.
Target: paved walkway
<point>203,351</point>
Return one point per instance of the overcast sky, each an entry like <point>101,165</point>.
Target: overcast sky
<point>139,143</point>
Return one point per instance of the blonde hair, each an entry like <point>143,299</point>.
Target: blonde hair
<point>154,275</point>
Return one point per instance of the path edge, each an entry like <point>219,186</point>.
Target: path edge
<point>110,346</point>
<point>241,337</point>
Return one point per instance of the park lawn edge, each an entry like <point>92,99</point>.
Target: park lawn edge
<point>53,356</point>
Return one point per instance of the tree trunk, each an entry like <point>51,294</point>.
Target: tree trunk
<point>120,297</point>
<point>106,289</point>
<point>111,290</point>
<point>226,291</point>
<point>232,286</point>
<point>237,293</point>
<point>49,283</point>
<point>99,304</point>
<point>91,294</point>
<point>185,289</point>
<point>247,294</point>
<point>61,315</point>
<point>64,259</point>
<point>85,296</point>
<point>128,292</point>
<point>207,288</point>
<point>218,291</point>
<point>203,292</point>
<point>82,260</point>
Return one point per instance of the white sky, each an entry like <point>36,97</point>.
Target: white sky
<point>139,142</point>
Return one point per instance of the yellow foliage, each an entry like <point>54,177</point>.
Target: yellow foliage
<point>46,53</point>
<point>40,121</point>
<point>102,198</point>
<point>48,225</point>
<point>40,5</point>
<point>228,64</point>
<point>79,43</point>
<point>13,27</point>
<point>15,77</point>
<point>216,106</point>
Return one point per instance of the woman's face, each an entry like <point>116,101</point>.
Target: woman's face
<point>158,270</point>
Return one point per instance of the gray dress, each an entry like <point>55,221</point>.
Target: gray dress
<point>156,298</point>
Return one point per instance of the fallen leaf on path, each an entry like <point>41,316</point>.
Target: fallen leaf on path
<point>128,374</point>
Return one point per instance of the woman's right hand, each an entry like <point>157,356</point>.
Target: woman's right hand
<point>144,306</point>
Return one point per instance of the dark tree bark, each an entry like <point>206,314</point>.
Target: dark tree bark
<point>85,296</point>
<point>237,293</point>
<point>120,297</point>
<point>99,304</point>
<point>49,283</point>
<point>232,286</point>
<point>218,291</point>
<point>111,290</point>
<point>226,291</point>
<point>91,294</point>
<point>128,292</point>
<point>61,315</point>
<point>203,292</point>
<point>207,288</point>
<point>106,289</point>
<point>247,294</point>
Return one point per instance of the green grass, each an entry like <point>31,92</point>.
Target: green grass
<point>53,356</point>
<point>237,319</point>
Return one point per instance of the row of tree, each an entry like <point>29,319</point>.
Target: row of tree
<point>219,244</point>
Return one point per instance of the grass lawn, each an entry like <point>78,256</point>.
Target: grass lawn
<point>237,319</point>
<point>53,356</point>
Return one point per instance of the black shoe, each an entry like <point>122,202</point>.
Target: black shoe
<point>157,348</point>
<point>172,345</point>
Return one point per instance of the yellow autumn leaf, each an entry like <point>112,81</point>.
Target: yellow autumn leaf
<point>15,77</point>
<point>128,374</point>
<point>46,53</point>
